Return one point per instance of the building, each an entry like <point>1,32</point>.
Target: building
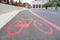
<point>11,2</point>
<point>4,1</point>
<point>38,3</point>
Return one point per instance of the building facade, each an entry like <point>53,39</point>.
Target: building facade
<point>11,2</point>
<point>4,1</point>
<point>38,3</point>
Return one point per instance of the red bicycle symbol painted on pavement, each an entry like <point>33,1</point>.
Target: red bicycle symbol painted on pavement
<point>23,24</point>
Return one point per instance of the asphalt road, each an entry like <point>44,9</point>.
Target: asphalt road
<point>33,24</point>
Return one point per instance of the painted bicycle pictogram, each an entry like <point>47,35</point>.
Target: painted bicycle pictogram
<point>22,23</point>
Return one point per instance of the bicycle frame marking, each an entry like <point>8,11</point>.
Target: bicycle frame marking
<point>22,25</point>
<point>27,25</point>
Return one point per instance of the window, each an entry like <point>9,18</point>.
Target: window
<point>33,6</point>
<point>39,6</point>
<point>36,6</point>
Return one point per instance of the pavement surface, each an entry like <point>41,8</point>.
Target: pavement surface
<point>33,24</point>
<point>4,8</point>
<point>7,12</point>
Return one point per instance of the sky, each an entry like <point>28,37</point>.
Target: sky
<point>28,1</point>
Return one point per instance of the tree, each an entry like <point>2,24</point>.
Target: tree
<point>59,0</point>
<point>53,3</point>
<point>27,5</point>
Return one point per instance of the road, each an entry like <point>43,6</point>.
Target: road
<point>33,24</point>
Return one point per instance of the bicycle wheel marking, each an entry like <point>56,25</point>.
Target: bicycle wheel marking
<point>45,32</point>
<point>15,33</point>
<point>41,25</point>
<point>22,25</point>
<point>50,23</point>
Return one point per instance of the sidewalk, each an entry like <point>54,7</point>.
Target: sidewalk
<point>7,12</point>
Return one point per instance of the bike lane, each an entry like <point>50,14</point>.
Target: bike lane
<point>26,26</point>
